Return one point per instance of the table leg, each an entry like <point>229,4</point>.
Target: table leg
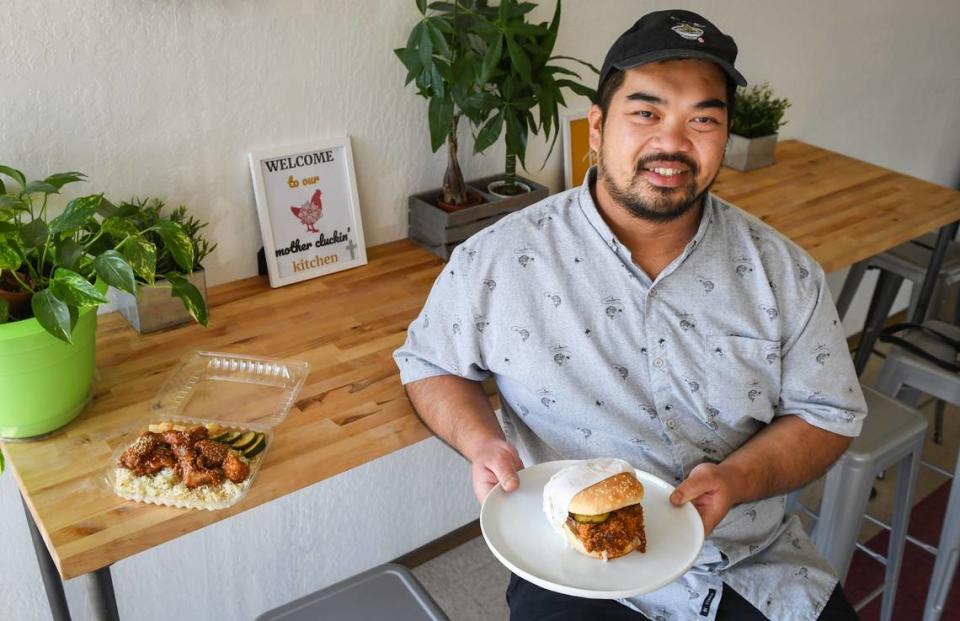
<point>850,285</point>
<point>52,583</point>
<point>104,600</point>
<point>946,234</point>
<point>888,284</point>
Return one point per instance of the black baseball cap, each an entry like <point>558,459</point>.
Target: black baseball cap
<point>664,35</point>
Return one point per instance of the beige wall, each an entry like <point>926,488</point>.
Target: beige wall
<point>166,97</point>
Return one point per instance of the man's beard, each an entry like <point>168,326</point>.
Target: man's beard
<point>669,204</point>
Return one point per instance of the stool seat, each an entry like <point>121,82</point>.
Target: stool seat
<point>904,369</point>
<point>906,373</point>
<point>389,591</point>
<point>892,437</point>
<point>910,260</point>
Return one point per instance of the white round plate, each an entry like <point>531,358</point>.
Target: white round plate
<point>519,535</point>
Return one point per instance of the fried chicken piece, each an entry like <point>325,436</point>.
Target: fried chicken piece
<point>185,453</point>
<point>235,469</point>
<point>176,438</point>
<point>196,476</point>
<point>138,453</point>
<point>191,470</point>
<point>623,526</point>
<point>197,433</point>
<point>161,458</point>
<point>212,453</point>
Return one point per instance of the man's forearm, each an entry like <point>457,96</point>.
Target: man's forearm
<point>784,456</point>
<point>457,410</point>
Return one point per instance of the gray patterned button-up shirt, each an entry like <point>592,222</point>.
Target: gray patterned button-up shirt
<point>593,359</point>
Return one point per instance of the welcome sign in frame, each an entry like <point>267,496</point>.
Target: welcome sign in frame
<point>308,210</point>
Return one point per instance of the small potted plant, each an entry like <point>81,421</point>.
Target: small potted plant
<point>757,116</point>
<point>54,271</point>
<point>176,291</point>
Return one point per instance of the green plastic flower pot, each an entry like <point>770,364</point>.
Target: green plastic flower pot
<point>44,382</point>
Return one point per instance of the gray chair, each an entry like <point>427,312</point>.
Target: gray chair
<point>892,437</point>
<point>909,261</point>
<point>389,591</point>
<point>903,374</point>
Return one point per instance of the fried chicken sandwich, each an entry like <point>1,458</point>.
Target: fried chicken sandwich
<point>596,504</point>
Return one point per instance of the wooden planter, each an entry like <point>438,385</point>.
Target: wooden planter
<point>440,232</point>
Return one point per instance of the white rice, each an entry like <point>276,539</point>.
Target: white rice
<point>166,488</point>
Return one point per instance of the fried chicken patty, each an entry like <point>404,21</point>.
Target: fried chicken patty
<point>613,534</point>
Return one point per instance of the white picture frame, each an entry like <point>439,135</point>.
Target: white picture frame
<point>576,147</point>
<point>308,209</point>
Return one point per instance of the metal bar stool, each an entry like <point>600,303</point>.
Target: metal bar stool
<point>389,591</point>
<point>892,436</point>
<point>903,374</point>
<point>886,291</point>
<point>910,261</point>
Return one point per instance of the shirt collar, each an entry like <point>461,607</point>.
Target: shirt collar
<point>592,214</point>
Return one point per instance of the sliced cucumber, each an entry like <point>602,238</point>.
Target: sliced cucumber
<point>230,437</point>
<point>244,441</point>
<point>221,437</point>
<point>590,519</point>
<point>257,447</point>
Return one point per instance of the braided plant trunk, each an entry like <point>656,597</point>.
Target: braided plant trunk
<point>454,187</point>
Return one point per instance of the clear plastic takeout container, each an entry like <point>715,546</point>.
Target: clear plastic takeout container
<point>229,394</point>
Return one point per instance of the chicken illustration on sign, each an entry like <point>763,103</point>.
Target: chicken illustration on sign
<point>310,211</point>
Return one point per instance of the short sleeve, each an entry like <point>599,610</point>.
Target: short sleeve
<point>818,380</point>
<point>445,339</point>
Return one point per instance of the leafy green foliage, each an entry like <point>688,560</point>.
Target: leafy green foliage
<point>757,112</point>
<point>115,271</point>
<point>490,64</point>
<point>526,83</point>
<point>58,259</point>
<point>190,296</point>
<point>177,238</point>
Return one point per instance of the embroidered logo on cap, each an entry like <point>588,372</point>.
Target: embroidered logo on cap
<point>688,30</point>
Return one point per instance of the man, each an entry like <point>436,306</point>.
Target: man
<point>641,317</point>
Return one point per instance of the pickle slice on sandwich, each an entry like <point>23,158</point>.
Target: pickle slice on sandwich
<point>590,519</point>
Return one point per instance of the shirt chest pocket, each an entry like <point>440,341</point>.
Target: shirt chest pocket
<point>744,378</point>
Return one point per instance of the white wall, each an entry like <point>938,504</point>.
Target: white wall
<point>165,98</point>
<point>877,80</point>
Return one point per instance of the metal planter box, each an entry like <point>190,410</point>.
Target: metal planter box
<point>154,308</point>
<point>749,153</point>
<point>440,231</point>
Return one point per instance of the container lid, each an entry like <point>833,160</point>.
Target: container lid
<point>232,389</point>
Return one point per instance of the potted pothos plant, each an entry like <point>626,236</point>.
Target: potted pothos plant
<point>54,272</point>
<point>757,117</point>
<point>177,290</point>
<point>524,87</point>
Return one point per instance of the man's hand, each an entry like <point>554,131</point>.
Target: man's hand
<point>495,462</point>
<point>710,487</point>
